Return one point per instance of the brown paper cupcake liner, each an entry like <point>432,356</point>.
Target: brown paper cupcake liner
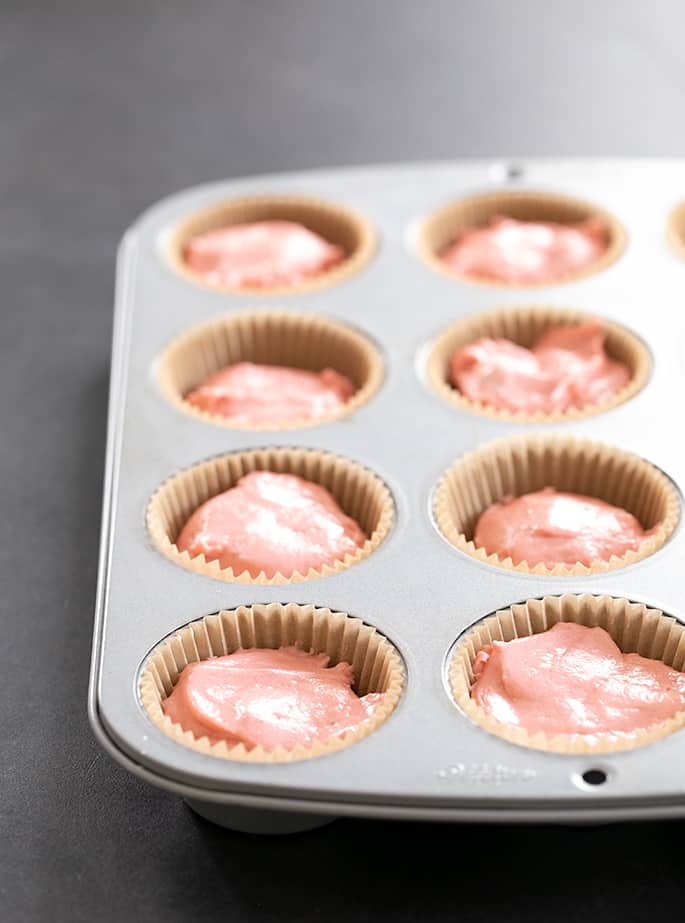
<point>359,492</point>
<point>336,224</point>
<point>523,464</point>
<point>633,626</point>
<point>524,325</point>
<point>289,338</point>
<point>442,227</point>
<point>376,664</point>
<point>675,230</point>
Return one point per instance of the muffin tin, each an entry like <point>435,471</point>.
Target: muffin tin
<point>428,760</point>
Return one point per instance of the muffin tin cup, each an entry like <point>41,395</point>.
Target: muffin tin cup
<point>523,464</point>
<point>359,492</point>
<point>441,228</point>
<point>375,662</point>
<point>524,326</point>
<point>335,223</point>
<point>675,230</point>
<point>634,627</point>
<point>273,337</point>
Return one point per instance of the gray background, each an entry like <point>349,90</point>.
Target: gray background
<point>105,108</point>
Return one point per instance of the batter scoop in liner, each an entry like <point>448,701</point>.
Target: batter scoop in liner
<point>261,254</point>
<point>553,527</point>
<point>268,698</point>
<point>567,367</point>
<point>521,252</point>
<point>248,393</point>
<point>574,680</point>
<point>271,523</point>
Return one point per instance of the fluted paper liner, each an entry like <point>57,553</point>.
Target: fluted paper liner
<point>442,227</point>
<point>524,326</point>
<point>523,464</point>
<point>675,230</point>
<point>376,664</point>
<point>633,626</point>
<point>335,223</point>
<point>288,338</point>
<point>359,493</point>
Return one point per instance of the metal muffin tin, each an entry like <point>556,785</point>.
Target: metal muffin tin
<point>428,761</point>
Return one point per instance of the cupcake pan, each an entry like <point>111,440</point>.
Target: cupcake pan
<point>428,760</point>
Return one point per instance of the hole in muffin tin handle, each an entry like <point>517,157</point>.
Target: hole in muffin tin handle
<point>507,172</point>
<point>593,777</point>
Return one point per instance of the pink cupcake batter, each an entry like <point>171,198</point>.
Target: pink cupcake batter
<point>247,393</point>
<point>574,680</point>
<point>263,254</point>
<point>567,367</point>
<point>524,252</point>
<point>549,527</point>
<point>275,523</point>
<point>268,698</point>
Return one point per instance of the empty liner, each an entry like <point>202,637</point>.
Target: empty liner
<point>359,492</point>
<point>523,464</point>
<point>336,224</point>
<point>441,228</point>
<point>675,230</point>
<point>288,338</point>
<point>376,664</point>
<point>633,626</point>
<point>524,326</point>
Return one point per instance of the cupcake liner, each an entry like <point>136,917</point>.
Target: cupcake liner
<point>634,627</point>
<point>675,230</point>
<point>359,492</point>
<point>523,464</point>
<point>376,664</point>
<point>523,326</point>
<point>337,225</point>
<point>275,337</point>
<point>441,228</point>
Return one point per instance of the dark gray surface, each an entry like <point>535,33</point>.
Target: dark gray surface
<point>105,109</point>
